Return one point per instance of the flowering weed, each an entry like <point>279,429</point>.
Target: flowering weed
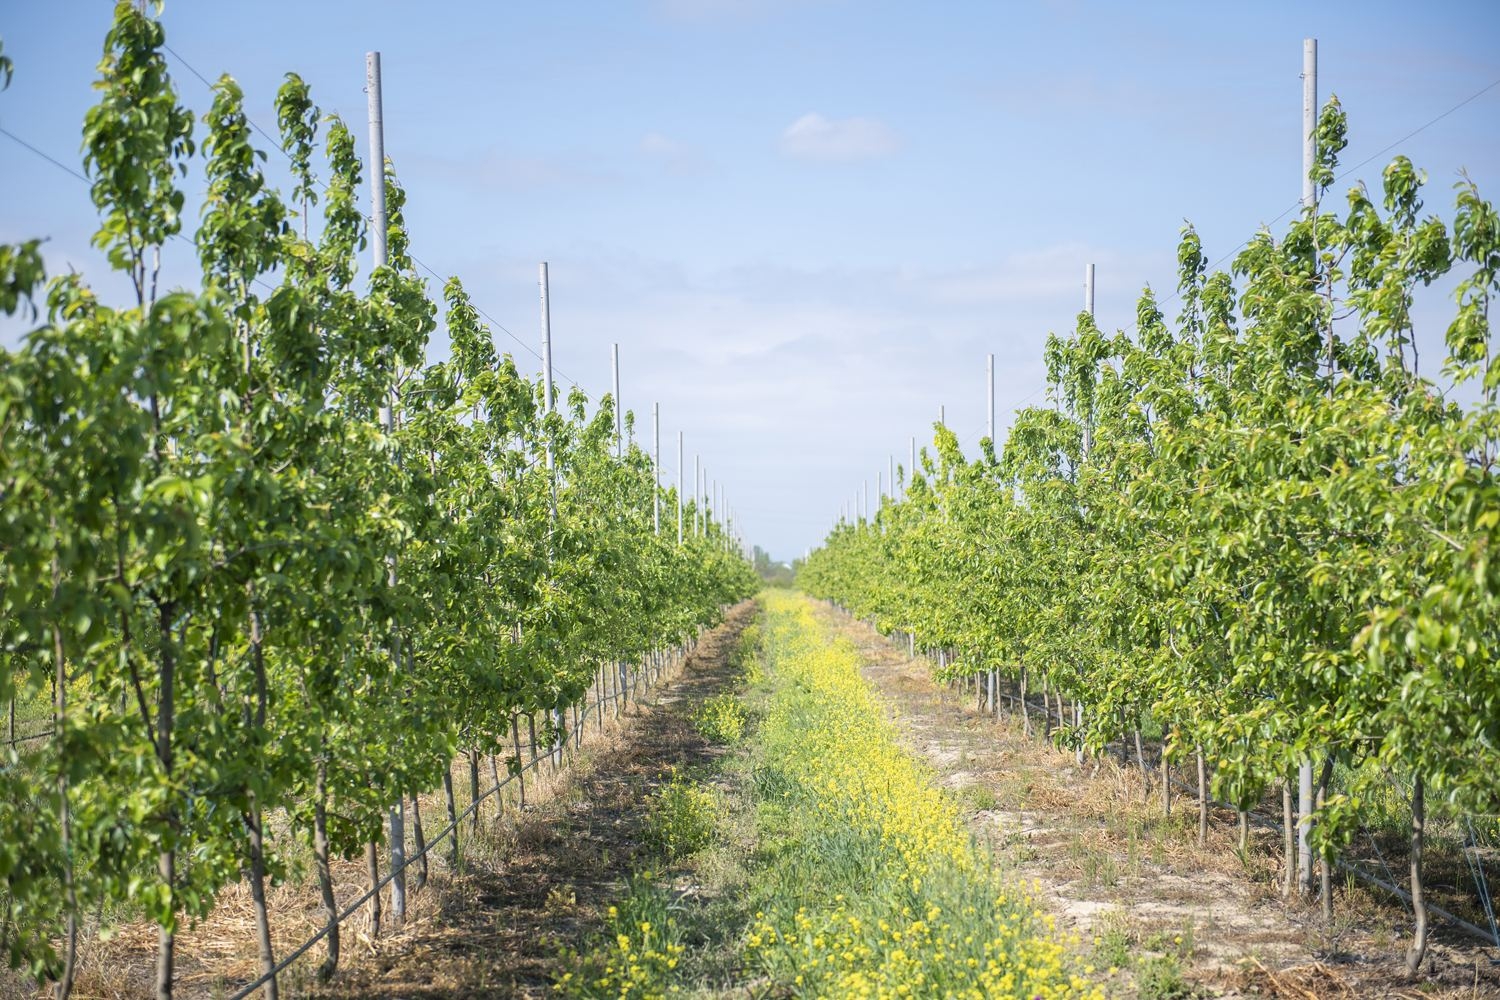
<point>681,820</point>
<point>721,719</point>
<point>870,885</point>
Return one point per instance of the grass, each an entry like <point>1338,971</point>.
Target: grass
<point>866,882</point>
<point>834,866</point>
<point>676,929</point>
<point>721,719</point>
<point>681,821</point>
<point>637,954</point>
<point>1159,977</point>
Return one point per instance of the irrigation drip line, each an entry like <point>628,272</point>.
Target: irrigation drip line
<point>1477,870</point>
<point>1385,867</point>
<point>448,831</point>
<point>28,737</point>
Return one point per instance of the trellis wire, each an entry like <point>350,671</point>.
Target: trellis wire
<point>1490,937</point>
<point>596,705</point>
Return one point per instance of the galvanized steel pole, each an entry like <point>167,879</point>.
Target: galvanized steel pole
<point>614,357</point>
<point>656,467</point>
<point>1309,205</point>
<point>379,257</point>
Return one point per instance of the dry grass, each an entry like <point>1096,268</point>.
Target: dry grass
<point>1094,841</point>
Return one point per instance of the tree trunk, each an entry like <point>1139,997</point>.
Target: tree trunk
<point>1418,891</point>
<point>1078,727</point>
<point>452,815</point>
<point>166,941</point>
<point>531,732</point>
<point>1288,839</point>
<point>474,789</point>
<point>1166,782</point>
<point>1244,834</point>
<point>166,861</point>
<point>65,820</point>
<point>1140,758</point>
<point>515,735</point>
<point>420,841</point>
<point>1202,797</point>
<point>325,871</point>
<point>253,819</point>
<point>1025,709</point>
<point>495,777</point>
<point>372,861</point>
<point>559,738</point>
<point>1325,863</point>
<point>255,833</point>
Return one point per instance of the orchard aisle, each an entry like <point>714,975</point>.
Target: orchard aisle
<point>544,880</point>
<point>1166,915</point>
<point>867,884</point>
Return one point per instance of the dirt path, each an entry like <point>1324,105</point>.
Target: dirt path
<point>551,871</point>
<point>1137,888</point>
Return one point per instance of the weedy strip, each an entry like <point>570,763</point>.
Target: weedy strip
<point>870,885</point>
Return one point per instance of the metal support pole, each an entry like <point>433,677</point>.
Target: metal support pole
<point>697,494</point>
<point>614,358</point>
<point>379,258</point>
<point>1088,289</point>
<point>681,483</point>
<point>656,467</point>
<point>547,374</point>
<point>1309,120</point>
<point>377,161</point>
<point>1309,205</point>
<point>990,398</point>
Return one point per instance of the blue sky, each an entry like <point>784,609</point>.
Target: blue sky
<point>805,223</point>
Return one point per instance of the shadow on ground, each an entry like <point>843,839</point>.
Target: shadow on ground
<point>555,868</point>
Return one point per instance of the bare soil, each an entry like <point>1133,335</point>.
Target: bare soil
<point>503,925</point>
<point>1112,870</point>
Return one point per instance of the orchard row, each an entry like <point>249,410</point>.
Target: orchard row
<point>260,557</point>
<point>1262,525</point>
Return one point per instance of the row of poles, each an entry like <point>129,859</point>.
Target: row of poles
<point>858,507</point>
<point>702,484</point>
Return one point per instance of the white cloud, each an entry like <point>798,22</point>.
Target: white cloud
<point>675,156</point>
<point>656,144</point>
<point>814,137</point>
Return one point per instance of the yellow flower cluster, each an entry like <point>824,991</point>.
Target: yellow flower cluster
<point>893,897</point>
<point>640,963</point>
<point>638,957</point>
<point>721,719</point>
